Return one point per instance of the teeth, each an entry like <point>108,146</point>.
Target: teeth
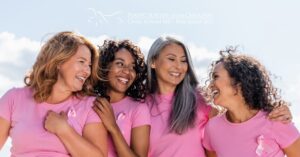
<point>215,92</point>
<point>81,78</point>
<point>175,74</point>
<point>123,80</point>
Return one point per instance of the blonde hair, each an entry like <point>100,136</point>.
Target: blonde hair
<point>56,51</point>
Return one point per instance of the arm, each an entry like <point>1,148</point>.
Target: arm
<point>139,135</point>
<point>4,131</point>
<point>94,140</point>
<point>293,150</point>
<point>140,138</point>
<point>210,153</point>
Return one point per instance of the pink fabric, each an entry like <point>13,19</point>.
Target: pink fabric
<point>29,138</point>
<point>166,144</point>
<point>129,114</point>
<point>256,137</point>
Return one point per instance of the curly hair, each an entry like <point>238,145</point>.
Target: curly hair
<point>57,50</point>
<point>252,77</point>
<point>107,55</point>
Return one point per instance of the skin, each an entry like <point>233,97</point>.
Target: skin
<point>170,68</point>
<point>231,98</point>
<point>72,75</point>
<point>121,76</point>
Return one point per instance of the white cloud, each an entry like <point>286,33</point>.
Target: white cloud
<point>12,48</point>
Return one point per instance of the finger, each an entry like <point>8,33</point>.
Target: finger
<point>97,110</point>
<point>282,118</point>
<point>105,105</point>
<point>63,114</point>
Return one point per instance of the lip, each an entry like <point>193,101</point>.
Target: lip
<point>123,80</point>
<point>81,79</point>
<point>175,74</point>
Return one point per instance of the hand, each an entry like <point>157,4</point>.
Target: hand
<point>281,113</point>
<point>103,108</point>
<point>56,123</point>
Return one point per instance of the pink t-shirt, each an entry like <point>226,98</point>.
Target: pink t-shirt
<point>129,114</point>
<point>163,143</point>
<point>29,138</point>
<point>256,137</point>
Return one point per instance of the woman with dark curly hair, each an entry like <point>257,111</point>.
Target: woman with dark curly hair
<point>122,93</point>
<point>241,85</point>
<point>178,110</point>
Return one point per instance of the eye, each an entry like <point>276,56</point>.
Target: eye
<point>120,64</point>
<point>184,61</point>
<point>215,76</point>
<point>171,59</point>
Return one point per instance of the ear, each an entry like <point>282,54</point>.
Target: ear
<point>58,66</point>
<point>153,66</point>
<point>238,89</point>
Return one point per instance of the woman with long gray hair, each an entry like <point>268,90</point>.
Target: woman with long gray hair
<point>178,110</point>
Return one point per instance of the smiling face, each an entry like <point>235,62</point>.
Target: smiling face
<point>170,66</point>
<point>74,72</point>
<point>121,72</point>
<point>223,91</point>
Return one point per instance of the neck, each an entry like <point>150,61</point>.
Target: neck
<point>165,89</point>
<point>115,96</point>
<point>58,95</point>
<point>240,114</point>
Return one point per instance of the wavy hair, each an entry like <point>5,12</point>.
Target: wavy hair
<point>107,55</point>
<point>252,77</point>
<point>184,103</point>
<point>57,50</point>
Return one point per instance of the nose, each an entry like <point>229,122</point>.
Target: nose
<point>87,70</point>
<point>126,70</point>
<point>179,64</point>
<point>211,84</point>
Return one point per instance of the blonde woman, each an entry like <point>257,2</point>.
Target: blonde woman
<point>52,114</point>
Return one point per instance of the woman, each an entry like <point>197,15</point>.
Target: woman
<point>52,114</point>
<point>241,84</point>
<point>122,92</point>
<point>178,111</point>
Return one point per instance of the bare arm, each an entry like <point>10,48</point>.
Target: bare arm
<point>210,153</point>
<point>293,150</point>
<point>139,135</point>
<point>140,138</point>
<point>93,142</point>
<point>4,131</point>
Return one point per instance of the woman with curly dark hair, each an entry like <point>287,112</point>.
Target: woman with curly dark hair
<point>241,85</point>
<point>122,93</point>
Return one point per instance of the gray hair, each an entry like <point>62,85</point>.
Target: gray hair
<point>184,102</point>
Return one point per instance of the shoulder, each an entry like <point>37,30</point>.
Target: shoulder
<point>18,92</point>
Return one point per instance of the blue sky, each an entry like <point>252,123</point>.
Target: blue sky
<point>266,29</point>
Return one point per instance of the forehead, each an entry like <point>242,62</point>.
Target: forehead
<point>83,51</point>
<point>173,49</point>
<point>124,54</point>
<point>219,67</point>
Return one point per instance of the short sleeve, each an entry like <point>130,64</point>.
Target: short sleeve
<point>206,138</point>
<point>285,134</point>
<point>141,115</point>
<point>6,104</point>
<point>92,116</point>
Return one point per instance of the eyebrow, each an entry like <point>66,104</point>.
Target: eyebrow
<point>82,58</point>
<point>172,54</point>
<point>121,59</point>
